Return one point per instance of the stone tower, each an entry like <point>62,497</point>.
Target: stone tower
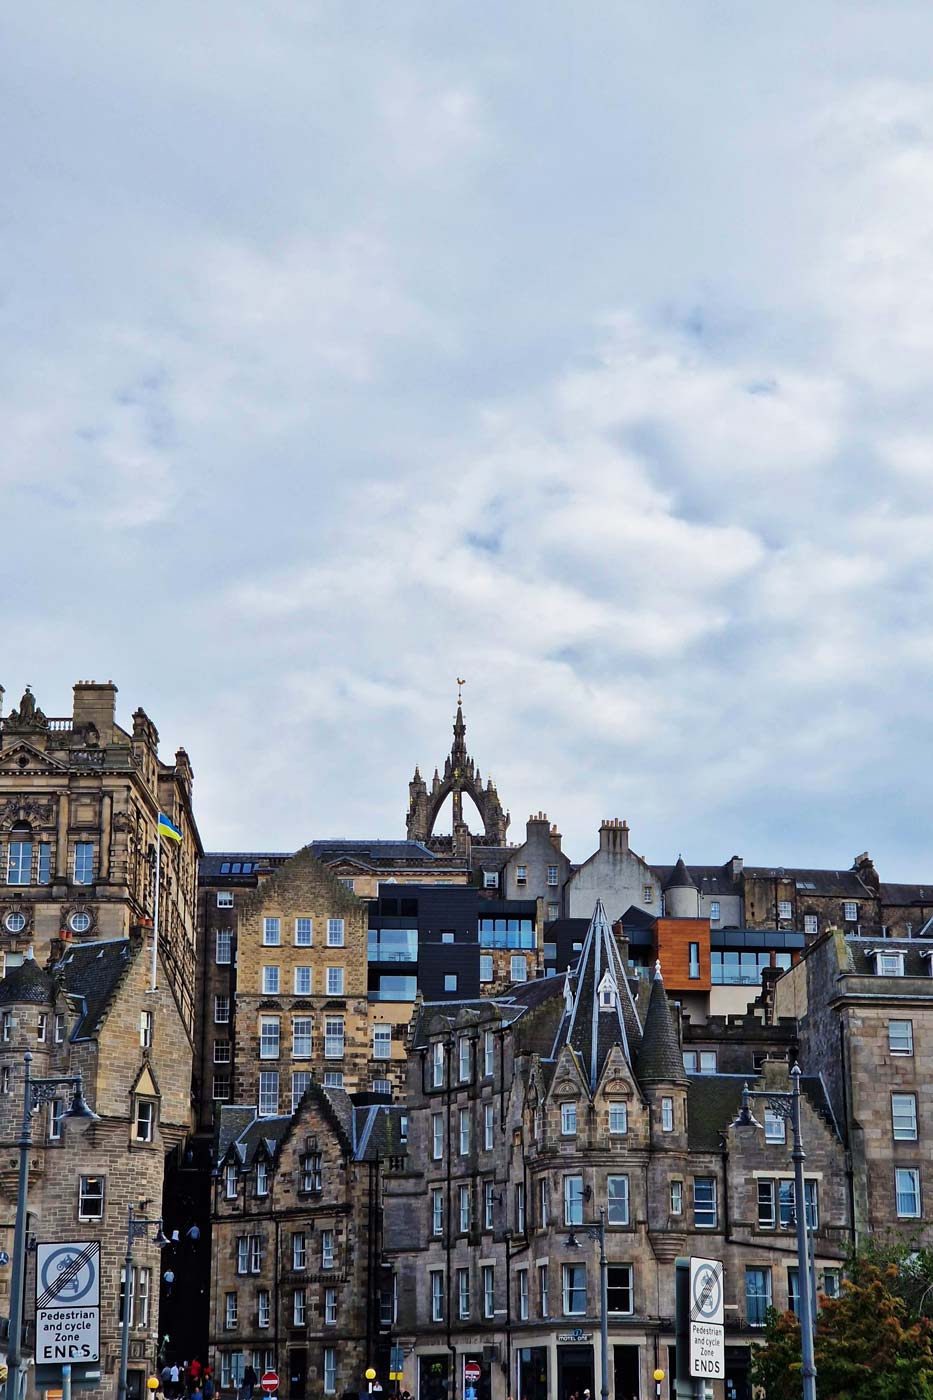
<point>461,775</point>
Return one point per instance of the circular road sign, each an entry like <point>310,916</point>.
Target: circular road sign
<point>471,1371</point>
<point>269,1382</point>
<point>707,1292</point>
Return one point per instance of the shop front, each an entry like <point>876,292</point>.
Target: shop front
<point>575,1371</point>
<point>532,1373</point>
<point>434,1375</point>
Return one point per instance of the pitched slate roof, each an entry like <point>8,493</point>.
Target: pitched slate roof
<point>844,884</point>
<point>92,972</point>
<point>710,880</point>
<point>714,1100</point>
<point>28,983</point>
<point>660,1059</point>
<point>588,1028</point>
<point>907,894</point>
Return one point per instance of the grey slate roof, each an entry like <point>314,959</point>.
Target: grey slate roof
<point>844,884</point>
<point>28,983</point>
<point>907,894</point>
<point>680,877</point>
<point>714,1100</point>
<point>92,973</point>
<point>660,1059</point>
<point>589,1029</point>
<point>712,880</point>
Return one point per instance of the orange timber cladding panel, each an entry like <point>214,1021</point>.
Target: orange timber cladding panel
<point>674,937</point>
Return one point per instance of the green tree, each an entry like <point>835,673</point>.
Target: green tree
<point>866,1346</point>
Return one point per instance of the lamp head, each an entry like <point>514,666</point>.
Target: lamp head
<point>78,1114</point>
<point>572,1241</point>
<point>160,1239</point>
<point>745,1118</point>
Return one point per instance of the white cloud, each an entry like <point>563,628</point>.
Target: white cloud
<point>589,362</point>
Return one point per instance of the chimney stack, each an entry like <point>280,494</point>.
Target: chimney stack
<point>96,703</point>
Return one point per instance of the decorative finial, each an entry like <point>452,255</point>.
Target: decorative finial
<point>461,682</point>
<point>657,970</point>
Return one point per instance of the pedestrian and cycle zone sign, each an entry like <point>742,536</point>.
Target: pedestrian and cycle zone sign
<point>707,1351</point>
<point>68,1302</point>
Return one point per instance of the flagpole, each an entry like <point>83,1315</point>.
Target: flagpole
<point>155,914</point>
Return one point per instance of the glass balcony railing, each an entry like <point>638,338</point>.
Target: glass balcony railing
<point>393,945</point>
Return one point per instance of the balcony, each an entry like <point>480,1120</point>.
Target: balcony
<point>391,945</point>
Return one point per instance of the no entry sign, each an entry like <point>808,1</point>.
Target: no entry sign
<point>471,1371</point>
<point>270,1382</point>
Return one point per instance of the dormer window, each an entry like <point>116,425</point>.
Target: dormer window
<point>607,993</point>
<point>888,964</point>
<point>262,1177</point>
<point>230,1181</point>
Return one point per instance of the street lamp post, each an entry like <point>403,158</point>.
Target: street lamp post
<point>136,1227</point>
<point>787,1106</point>
<point>597,1231</point>
<point>35,1093</point>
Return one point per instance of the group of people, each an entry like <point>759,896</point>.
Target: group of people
<point>189,1379</point>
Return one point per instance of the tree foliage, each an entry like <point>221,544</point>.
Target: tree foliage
<point>867,1345</point>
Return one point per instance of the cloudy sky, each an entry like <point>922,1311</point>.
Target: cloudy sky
<point>582,350</point>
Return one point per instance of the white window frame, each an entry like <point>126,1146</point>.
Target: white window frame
<point>850,911</point>
<point>263,1307</point>
<point>335,981</point>
<point>573,1199</point>
<point>618,1207</point>
<point>487,971</point>
<point>221,1011</point>
<point>437,1137</point>
<point>330,1370</point>
<point>382,1041</point>
<point>568,1119</point>
<point>223,946</point>
<point>271,980</point>
<point>270,1037</point>
<point>85,1196</point>
<point>302,1037</point>
<point>568,1290</point>
<point>904,1126</point>
<point>902,1047</point>
<point>272,931</point>
<point>225,899</point>
<point>518,967</point>
<point>667,1114</point>
<point>303,980</point>
<point>304,932</point>
<point>464,1132</point>
<point>336,933</point>
<point>145,1030</point>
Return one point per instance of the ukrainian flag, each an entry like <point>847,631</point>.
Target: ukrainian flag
<point>167,828</point>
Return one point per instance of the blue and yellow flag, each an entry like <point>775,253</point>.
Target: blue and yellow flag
<point>167,828</point>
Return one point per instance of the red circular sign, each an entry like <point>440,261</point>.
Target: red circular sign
<point>270,1382</point>
<point>471,1371</point>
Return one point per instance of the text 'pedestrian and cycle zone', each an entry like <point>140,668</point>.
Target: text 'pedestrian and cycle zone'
<point>707,1319</point>
<point>68,1302</point>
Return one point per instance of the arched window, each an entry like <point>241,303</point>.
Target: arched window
<point>19,855</point>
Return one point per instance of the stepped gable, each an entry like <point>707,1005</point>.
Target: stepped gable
<point>660,1059</point>
<point>680,877</point>
<point>28,983</point>
<point>599,1011</point>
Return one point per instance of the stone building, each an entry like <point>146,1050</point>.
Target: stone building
<point>79,804</point>
<point>864,1011</point>
<point>538,869</point>
<point>296,1280</point>
<point>615,874</point>
<point>301,1007</point>
<point>93,1011</point>
<point>527,1114</point>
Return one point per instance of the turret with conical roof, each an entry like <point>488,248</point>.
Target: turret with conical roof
<point>681,896</point>
<point>660,1071</point>
<point>660,1058</point>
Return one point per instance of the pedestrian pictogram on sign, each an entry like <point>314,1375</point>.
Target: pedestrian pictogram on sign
<point>269,1382</point>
